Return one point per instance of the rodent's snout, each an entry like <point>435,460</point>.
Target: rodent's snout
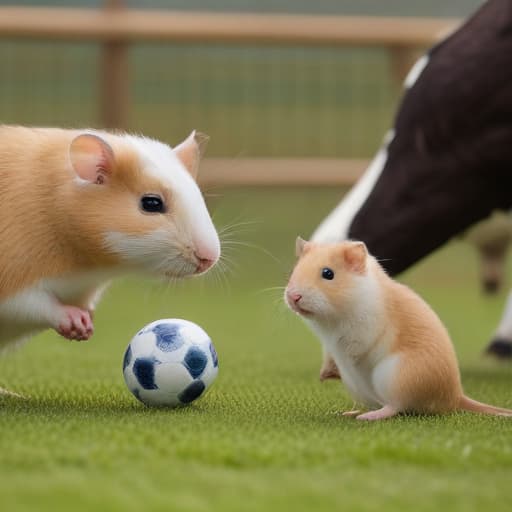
<point>203,263</point>
<point>205,252</point>
<point>293,297</point>
<point>206,257</point>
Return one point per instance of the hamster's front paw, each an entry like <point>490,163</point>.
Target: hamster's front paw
<point>76,324</point>
<point>329,370</point>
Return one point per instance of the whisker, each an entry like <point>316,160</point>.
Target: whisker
<point>218,275</point>
<point>272,289</point>
<point>249,245</point>
<point>236,225</point>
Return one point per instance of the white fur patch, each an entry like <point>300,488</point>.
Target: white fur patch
<point>146,250</point>
<point>153,252</point>
<point>25,313</point>
<point>416,71</point>
<point>384,375</point>
<point>75,286</point>
<point>336,226</point>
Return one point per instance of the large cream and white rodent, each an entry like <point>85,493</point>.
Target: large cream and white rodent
<point>393,352</point>
<point>79,207</point>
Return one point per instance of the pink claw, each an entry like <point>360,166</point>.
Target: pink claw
<point>76,324</point>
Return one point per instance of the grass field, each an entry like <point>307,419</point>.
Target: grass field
<point>266,437</point>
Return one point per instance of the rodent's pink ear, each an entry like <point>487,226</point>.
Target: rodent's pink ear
<point>92,158</point>
<point>191,150</point>
<point>355,255</point>
<point>301,246</point>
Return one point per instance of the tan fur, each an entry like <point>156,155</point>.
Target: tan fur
<point>390,346</point>
<point>31,160</point>
<point>429,379</point>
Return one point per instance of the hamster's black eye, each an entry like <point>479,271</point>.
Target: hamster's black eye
<point>327,273</point>
<point>152,204</point>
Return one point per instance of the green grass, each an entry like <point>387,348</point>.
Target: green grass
<point>266,437</point>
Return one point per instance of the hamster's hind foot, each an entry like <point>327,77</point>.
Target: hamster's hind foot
<point>380,414</point>
<point>351,414</point>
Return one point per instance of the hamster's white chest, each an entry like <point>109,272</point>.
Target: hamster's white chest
<point>358,380</point>
<point>356,356</point>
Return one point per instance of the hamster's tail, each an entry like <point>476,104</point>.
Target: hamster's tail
<point>468,404</point>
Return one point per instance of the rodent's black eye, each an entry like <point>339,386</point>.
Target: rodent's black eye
<point>152,204</point>
<point>327,273</point>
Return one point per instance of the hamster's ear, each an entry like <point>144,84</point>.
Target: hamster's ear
<point>354,256</point>
<point>92,158</point>
<point>191,150</point>
<point>300,246</point>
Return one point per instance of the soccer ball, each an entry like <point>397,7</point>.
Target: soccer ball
<point>170,362</point>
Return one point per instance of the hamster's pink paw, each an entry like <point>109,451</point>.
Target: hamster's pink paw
<point>76,324</point>
<point>379,414</point>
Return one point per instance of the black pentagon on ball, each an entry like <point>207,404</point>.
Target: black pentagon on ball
<point>195,361</point>
<point>168,337</point>
<point>192,392</point>
<point>127,357</point>
<point>214,355</point>
<point>144,371</point>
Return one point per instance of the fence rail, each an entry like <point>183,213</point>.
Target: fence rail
<point>130,25</point>
<point>280,171</point>
<point>116,28</point>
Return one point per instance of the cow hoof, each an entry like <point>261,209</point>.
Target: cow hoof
<point>500,348</point>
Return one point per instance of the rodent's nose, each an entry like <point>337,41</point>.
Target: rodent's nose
<point>203,263</point>
<point>294,297</point>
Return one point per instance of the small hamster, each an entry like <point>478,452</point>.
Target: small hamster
<point>392,350</point>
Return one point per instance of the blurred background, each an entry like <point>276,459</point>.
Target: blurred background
<point>254,100</point>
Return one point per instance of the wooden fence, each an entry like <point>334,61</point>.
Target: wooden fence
<point>116,28</point>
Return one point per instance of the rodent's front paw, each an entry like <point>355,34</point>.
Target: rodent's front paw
<point>76,324</point>
<point>329,370</point>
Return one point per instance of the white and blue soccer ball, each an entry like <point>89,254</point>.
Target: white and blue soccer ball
<point>170,362</point>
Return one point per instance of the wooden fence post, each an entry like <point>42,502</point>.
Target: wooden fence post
<point>114,77</point>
